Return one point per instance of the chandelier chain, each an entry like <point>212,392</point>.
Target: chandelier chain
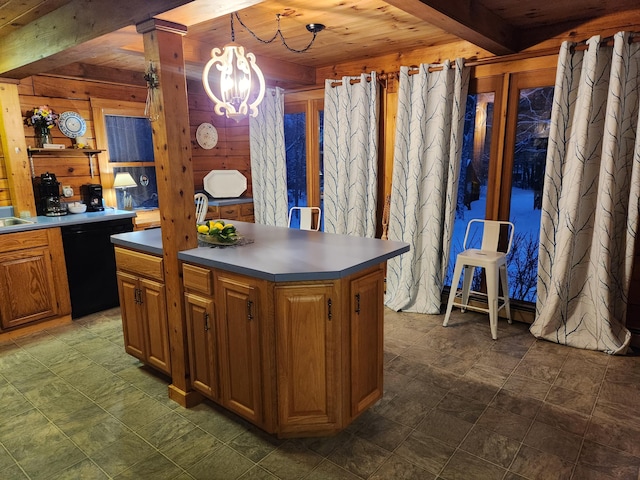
<point>275,35</point>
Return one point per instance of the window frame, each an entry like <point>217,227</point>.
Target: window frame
<point>310,103</point>
<point>100,108</point>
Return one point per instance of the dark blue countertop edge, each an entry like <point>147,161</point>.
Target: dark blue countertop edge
<point>41,222</point>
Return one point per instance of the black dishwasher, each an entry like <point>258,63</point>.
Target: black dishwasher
<point>91,264</point>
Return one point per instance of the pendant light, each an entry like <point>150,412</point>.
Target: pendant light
<point>237,72</point>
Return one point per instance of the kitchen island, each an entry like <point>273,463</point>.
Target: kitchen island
<point>284,329</point>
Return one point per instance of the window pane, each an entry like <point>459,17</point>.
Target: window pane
<point>296,156</point>
<point>472,189</point>
<point>532,134</point>
<point>145,195</point>
<point>129,139</point>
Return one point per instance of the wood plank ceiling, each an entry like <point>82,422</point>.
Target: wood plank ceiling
<point>79,36</point>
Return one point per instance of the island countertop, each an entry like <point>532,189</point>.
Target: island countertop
<point>280,254</point>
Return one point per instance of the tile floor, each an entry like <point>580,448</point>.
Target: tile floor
<point>457,405</point>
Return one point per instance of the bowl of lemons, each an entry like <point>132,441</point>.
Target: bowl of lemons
<point>218,232</point>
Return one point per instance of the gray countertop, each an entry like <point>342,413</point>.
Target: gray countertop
<point>66,220</point>
<point>279,254</point>
<point>149,241</point>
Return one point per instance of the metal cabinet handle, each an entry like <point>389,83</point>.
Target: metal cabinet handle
<point>358,303</point>
<point>206,321</point>
<point>330,315</point>
<point>249,310</point>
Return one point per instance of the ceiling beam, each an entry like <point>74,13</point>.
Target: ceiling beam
<point>467,19</point>
<point>77,22</point>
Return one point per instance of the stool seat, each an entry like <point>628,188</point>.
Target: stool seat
<point>494,264</point>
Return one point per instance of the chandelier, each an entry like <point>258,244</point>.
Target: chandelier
<point>236,73</point>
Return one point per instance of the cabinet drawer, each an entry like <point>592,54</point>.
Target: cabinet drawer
<point>230,212</point>
<point>246,209</point>
<point>22,240</point>
<point>140,263</point>
<point>213,212</point>
<point>197,279</point>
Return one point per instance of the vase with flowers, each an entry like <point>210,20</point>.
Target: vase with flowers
<point>42,119</point>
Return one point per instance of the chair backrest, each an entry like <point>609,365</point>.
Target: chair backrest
<point>306,217</point>
<point>202,203</point>
<point>490,233</point>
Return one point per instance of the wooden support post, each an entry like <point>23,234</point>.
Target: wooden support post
<point>14,148</point>
<point>174,173</point>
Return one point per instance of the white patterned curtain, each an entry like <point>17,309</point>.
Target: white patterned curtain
<point>351,156</point>
<point>426,169</point>
<point>590,204</point>
<point>268,161</point>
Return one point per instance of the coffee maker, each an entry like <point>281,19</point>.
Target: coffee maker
<point>47,194</point>
<point>92,196</point>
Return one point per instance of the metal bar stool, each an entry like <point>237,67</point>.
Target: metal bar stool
<point>495,267</point>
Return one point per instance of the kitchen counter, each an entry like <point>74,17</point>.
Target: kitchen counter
<point>41,222</point>
<point>279,254</point>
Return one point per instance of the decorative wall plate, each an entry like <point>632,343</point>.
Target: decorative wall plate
<point>225,183</point>
<point>72,124</point>
<point>207,136</point>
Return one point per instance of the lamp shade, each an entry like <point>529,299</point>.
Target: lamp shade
<point>123,180</point>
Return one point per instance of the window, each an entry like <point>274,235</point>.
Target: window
<point>507,186</point>
<point>125,134</point>
<point>303,142</point>
<point>130,145</point>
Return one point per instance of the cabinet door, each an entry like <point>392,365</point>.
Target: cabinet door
<point>27,287</point>
<point>153,302</point>
<point>132,327</point>
<point>308,349</point>
<point>201,334</point>
<point>239,314</point>
<point>367,316</point>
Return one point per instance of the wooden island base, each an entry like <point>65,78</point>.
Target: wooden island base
<point>293,358</point>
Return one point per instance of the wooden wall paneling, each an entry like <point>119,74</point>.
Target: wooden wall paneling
<point>47,86</point>
<point>58,105</point>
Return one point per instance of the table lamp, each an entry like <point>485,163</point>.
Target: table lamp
<point>124,180</point>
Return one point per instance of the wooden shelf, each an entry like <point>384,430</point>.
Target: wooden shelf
<point>63,152</point>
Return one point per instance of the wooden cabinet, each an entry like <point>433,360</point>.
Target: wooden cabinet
<point>143,307</point>
<point>308,358</point>
<point>235,211</point>
<point>294,358</point>
<point>33,278</point>
<point>228,337</point>
<point>241,318</point>
<point>201,330</point>
<point>366,321</point>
